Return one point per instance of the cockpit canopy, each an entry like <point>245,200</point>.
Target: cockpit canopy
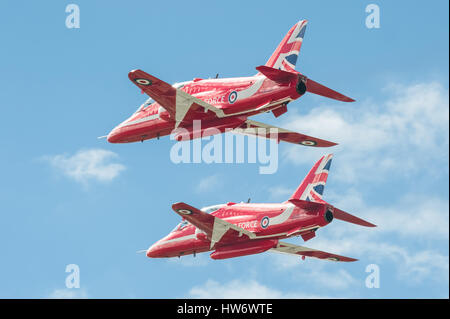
<point>146,104</point>
<point>180,84</point>
<point>211,209</point>
<point>181,225</point>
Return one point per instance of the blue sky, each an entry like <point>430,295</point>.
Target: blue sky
<point>61,88</point>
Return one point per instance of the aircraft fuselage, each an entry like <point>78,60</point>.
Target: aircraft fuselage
<point>239,98</point>
<point>269,222</point>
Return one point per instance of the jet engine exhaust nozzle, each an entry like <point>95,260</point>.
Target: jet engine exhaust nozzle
<point>328,216</point>
<point>301,85</point>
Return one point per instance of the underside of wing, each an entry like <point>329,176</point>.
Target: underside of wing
<point>287,248</point>
<point>216,229</point>
<point>175,101</point>
<point>268,131</point>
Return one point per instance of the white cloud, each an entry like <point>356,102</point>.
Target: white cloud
<point>86,165</point>
<point>242,289</point>
<point>405,229</point>
<point>405,133</point>
<point>68,294</point>
<point>413,216</point>
<point>314,271</point>
<point>207,184</point>
<point>412,267</point>
<point>338,280</point>
<point>422,218</point>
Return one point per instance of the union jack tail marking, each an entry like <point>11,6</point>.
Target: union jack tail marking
<point>286,54</point>
<point>312,187</point>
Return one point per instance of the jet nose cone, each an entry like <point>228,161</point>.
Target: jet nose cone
<point>113,137</point>
<point>153,252</point>
<point>110,138</point>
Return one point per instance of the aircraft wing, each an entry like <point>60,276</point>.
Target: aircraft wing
<point>287,248</point>
<point>175,101</point>
<point>215,228</point>
<point>251,128</point>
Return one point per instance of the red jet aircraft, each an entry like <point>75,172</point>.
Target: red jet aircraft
<point>234,230</point>
<point>225,104</point>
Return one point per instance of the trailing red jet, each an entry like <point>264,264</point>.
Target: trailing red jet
<point>225,104</point>
<point>234,230</point>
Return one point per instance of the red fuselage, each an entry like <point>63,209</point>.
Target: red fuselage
<point>269,222</point>
<point>239,98</point>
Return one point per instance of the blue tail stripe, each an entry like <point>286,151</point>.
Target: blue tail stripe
<point>319,189</point>
<point>327,165</point>
<point>292,59</point>
<point>301,34</point>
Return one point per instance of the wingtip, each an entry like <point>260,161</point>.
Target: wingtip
<point>368,224</point>
<point>177,204</point>
<point>348,259</point>
<point>179,207</point>
<point>132,73</point>
<point>327,144</point>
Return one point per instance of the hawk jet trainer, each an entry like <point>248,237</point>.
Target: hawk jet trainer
<point>240,229</point>
<point>225,104</point>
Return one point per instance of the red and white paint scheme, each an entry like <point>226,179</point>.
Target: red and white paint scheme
<point>225,104</point>
<point>234,230</point>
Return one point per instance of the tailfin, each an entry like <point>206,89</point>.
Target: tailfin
<point>286,54</point>
<point>285,57</point>
<point>313,185</point>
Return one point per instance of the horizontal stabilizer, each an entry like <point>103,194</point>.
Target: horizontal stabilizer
<point>340,214</point>
<point>307,205</point>
<point>276,75</point>
<point>285,77</point>
<point>319,89</point>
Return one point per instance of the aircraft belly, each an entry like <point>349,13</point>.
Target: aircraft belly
<point>188,247</point>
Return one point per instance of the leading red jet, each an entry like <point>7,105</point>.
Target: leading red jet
<point>234,230</point>
<point>225,104</point>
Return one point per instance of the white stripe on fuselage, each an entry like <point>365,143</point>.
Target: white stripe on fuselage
<point>144,119</point>
<point>284,216</point>
<point>243,94</point>
<point>232,80</point>
<point>182,238</point>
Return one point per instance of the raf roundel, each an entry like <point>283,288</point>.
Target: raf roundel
<point>184,212</point>
<point>143,82</point>
<point>265,222</point>
<point>232,97</point>
<point>308,143</point>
